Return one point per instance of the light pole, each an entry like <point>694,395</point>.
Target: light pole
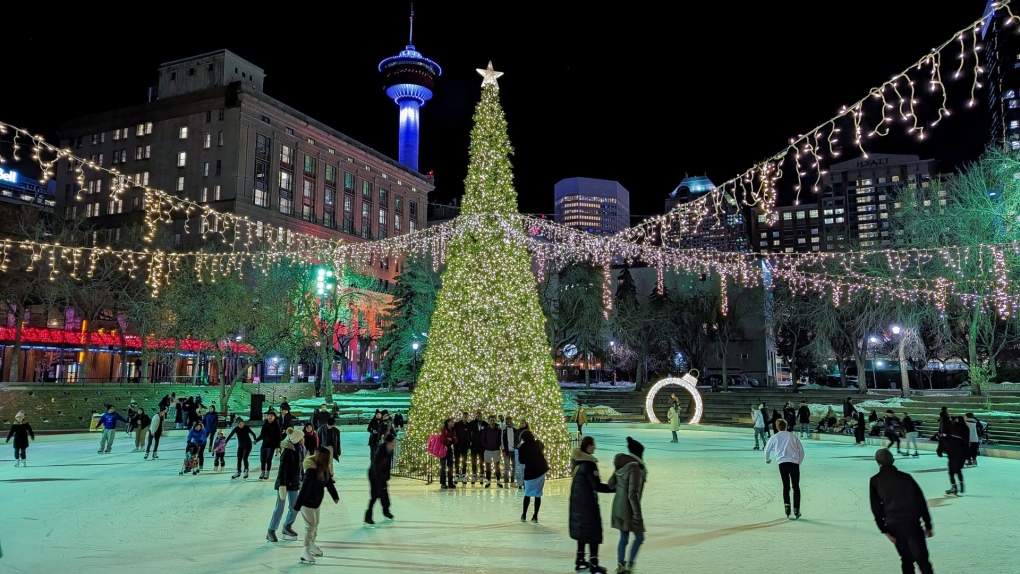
<point>874,373</point>
<point>612,360</point>
<point>415,346</point>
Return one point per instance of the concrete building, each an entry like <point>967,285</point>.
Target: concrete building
<point>209,133</point>
<point>597,206</point>
<point>16,189</point>
<point>1001,55</point>
<point>722,227</point>
<point>854,206</point>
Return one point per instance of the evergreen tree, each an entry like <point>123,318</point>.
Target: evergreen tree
<point>414,300</point>
<point>487,348</point>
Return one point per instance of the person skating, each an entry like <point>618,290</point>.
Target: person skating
<point>447,472</point>
<point>849,410</point>
<point>581,418</point>
<point>899,507</point>
<point>974,437</point>
<point>141,422</point>
<point>758,424</point>
<point>245,436</point>
<point>628,481</point>
<point>219,452</point>
<point>288,484</point>
<point>585,515</point>
<point>892,430</point>
<point>462,448</point>
<point>804,418</point>
<point>210,419</point>
<point>909,434</point>
<point>155,432</point>
<point>379,477</point>
<point>271,436</point>
<point>130,414</point>
<point>954,446</point>
<point>790,416</point>
<point>532,455</point>
<point>786,448</point>
<point>318,479</point>
<point>674,422</point>
<point>20,431</point>
<point>197,436</point>
<point>398,421</point>
<point>765,419</point>
<point>329,437</point>
<point>287,420</point>
<point>860,428</point>
<point>109,423</point>
<point>375,427</point>
<point>320,416</point>
<point>490,440</point>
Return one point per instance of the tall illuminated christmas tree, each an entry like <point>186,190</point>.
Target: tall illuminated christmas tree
<point>487,349</point>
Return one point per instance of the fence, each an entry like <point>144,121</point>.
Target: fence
<point>429,473</point>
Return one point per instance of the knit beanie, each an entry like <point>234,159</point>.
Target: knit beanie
<point>295,436</point>
<point>635,448</point>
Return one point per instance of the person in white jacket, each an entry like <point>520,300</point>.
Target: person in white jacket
<point>786,448</point>
<point>758,422</point>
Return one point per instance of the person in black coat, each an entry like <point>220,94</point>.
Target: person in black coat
<point>531,453</point>
<point>899,507</point>
<point>860,428</point>
<point>320,416</point>
<point>585,516</point>
<point>329,437</point>
<point>375,428</point>
<point>244,436</point>
<point>318,479</point>
<point>271,435</point>
<point>20,431</point>
<point>765,419</point>
<point>804,417</point>
<point>954,445</point>
<point>379,476</point>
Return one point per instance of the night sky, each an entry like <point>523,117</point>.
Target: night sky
<point>642,97</point>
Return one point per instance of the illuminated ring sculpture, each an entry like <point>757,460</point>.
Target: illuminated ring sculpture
<point>688,382</point>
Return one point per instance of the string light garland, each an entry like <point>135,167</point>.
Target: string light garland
<point>896,100</point>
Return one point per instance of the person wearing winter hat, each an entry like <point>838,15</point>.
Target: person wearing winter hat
<point>288,484</point>
<point>628,481</point>
<point>20,431</point>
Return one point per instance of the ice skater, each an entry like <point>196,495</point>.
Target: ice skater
<point>219,452</point>
<point>288,484</point>
<point>954,445</point>
<point>788,451</point>
<point>532,455</point>
<point>674,422</point>
<point>758,423</point>
<point>379,477</point>
<point>245,436</point>
<point>585,516</point>
<point>490,445</point>
<point>141,422</point>
<point>109,422</point>
<point>318,479</point>
<point>155,432</point>
<point>804,418</point>
<point>910,433</point>
<point>628,481</point>
<point>271,437</point>
<point>447,472</point>
<point>899,507</point>
<point>197,436</point>
<point>581,418</point>
<point>892,430</point>
<point>20,431</point>
<point>860,428</point>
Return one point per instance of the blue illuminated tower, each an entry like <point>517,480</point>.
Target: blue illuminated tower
<point>410,79</point>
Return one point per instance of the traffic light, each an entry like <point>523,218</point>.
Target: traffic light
<point>323,281</point>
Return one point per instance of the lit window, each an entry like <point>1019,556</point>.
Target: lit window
<point>207,142</point>
<point>205,169</point>
<point>182,159</point>
<point>184,133</point>
<point>205,194</point>
<point>216,193</point>
<point>180,183</point>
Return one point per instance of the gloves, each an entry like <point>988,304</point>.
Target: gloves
<point>283,492</point>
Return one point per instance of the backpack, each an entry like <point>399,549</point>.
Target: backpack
<point>436,446</point>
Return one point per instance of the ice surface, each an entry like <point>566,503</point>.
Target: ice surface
<point>711,505</point>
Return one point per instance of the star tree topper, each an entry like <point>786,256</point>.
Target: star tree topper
<point>489,76</point>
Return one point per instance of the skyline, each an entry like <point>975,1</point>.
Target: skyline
<point>591,99</point>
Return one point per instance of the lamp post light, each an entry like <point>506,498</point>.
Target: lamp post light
<point>415,346</point>
<point>874,355</point>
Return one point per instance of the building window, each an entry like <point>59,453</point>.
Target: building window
<point>412,216</point>
<point>184,133</point>
<point>348,182</point>
<point>148,152</point>
<point>205,169</point>
<point>366,220</point>
<point>308,200</point>
<point>221,115</point>
<point>207,141</point>
<point>219,166</point>
<point>261,198</point>
<point>286,181</point>
<point>366,191</point>
<point>286,202</point>
<point>384,198</point>
<point>287,156</point>
<point>205,195</point>
<point>331,175</point>
<point>182,159</point>
<point>398,204</point>
<point>397,227</point>
<point>289,131</point>
<point>329,207</point>
<point>349,213</point>
<point>216,193</point>
<point>219,139</point>
<point>381,231</point>
<point>262,146</point>
<point>180,183</point>
<point>309,165</point>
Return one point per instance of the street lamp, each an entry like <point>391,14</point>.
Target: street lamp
<point>414,347</point>
<point>874,355</point>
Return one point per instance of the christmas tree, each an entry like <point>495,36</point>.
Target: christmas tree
<point>487,349</point>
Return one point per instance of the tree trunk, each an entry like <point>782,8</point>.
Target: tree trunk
<point>862,375</point>
<point>326,377</point>
<point>587,370</point>
<point>83,371</point>
<point>904,378</point>
<point>723,356</point>
<point>195,366</point>
<point>975,387</point>
<point>173,363</point>
<point>639,370</point>
<point>123,355</point>
<point>16,350</point>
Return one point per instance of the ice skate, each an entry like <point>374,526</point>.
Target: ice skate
<point>24,463</point>
<point>534,519</point>
<point>952,491</point>
<point>107,451</point>
<point>271,536</point>
<point>388,515</point>
<point>581,564</point>
<point>756,447</point>
<point>245,475</point>
<point>155,456</point>
<point>288,533</point>
<point>99,452</point>
<point>236,475</point>
<point>622,569</point>
<point>796,514</point>
<point>524,517</point>
<point>17,463</point>
<point>499,485</point>
<point>595,568</point>
<point>961,486</point>
<point>368,518</point>
<point>146,457</point>
<point>306,556</point>
<point>488,483</point>
<point>314,550</point>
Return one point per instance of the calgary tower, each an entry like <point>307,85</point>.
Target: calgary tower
<point>410,79</point>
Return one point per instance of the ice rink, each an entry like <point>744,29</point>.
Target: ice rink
<point>711,505</point>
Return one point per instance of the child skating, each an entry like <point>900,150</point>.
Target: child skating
<point>20,431</point>
<point>220,450</point>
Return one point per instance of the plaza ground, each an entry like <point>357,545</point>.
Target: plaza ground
<point>711,505</point>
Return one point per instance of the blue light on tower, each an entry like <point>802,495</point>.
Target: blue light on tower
<point>410,79</point>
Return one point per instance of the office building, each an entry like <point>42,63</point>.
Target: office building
<point>598,206</point>
<point>16,189</point>
<point>209,133</point>
<point>854,207</point>
<point>1001,54</point>
<point>719,226</point>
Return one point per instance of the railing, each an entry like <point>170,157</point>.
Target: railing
<point>428,474</point>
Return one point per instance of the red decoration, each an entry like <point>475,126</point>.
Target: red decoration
<point>57,337</point>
